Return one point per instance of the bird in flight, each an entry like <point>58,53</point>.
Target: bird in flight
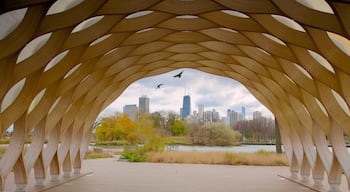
<point>178,75</point>
<point>159,85</point>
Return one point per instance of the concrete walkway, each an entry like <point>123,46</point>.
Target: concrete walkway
<point>109,175</point>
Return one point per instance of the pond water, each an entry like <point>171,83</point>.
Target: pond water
<point>241,148</point>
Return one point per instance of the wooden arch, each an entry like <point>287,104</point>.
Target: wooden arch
<point>62,62</point>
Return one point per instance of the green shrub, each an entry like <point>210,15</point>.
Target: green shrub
<point>154,143</point>
<point>138,154</point>
<point>133,155</point>
<point>180,127</point>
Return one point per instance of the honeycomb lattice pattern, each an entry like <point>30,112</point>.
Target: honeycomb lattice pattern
<point>62,62</point>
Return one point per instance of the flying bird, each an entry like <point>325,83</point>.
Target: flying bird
<point>159,85</point>
<point>178,75</point>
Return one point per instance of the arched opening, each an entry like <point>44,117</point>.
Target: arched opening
<point>212,102</point>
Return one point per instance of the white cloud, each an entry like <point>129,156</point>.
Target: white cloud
<point>213,91</point>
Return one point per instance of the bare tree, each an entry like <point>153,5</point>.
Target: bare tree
<point>164,120</point>
<point>257,129</point>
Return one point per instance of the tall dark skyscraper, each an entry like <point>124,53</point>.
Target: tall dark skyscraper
<point>186,106</point>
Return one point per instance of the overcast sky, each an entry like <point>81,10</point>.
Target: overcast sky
<point>214,92</point>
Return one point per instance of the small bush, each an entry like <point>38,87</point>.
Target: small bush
<point>133,155</point>
<point>154,143</point>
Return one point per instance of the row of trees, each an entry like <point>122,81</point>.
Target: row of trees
<point>168,123</point>
<point>121,128</point>
<point>260,129</point>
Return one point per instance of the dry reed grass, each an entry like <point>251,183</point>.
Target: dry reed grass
<point>262,158</point>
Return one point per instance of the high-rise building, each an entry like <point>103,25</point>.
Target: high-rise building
<point>256,114</point>
<point>229,118</point>
<point>201,112</point>
<point>186,106</point>
<point>233,117</point>
<point>243,113</point>
<point>215,115</point>
<point>131,110</point>
<point>238,116</point>
<point>208,116</point>
<point>143,105</point>
<point>195,114</point>
<point>211,116</point>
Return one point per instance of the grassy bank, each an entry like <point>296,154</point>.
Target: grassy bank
<point>101,153</point>
<point>262,158</point>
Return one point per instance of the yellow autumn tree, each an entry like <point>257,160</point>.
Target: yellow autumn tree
<point>125,128</point>
<point>145,128</point>
<point>121,127</point>
<point>104,132</point>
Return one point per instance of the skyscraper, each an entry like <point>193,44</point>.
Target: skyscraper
<point>143,105</point>
<point>257,114</point>
<point>243,113</point>
<point>230,118</point>
<point>186,106</point>
<point>233,117</point>
<point>215,115</point>
<point>131,110</point>
<point>208,117</point>
<point>201,112</point>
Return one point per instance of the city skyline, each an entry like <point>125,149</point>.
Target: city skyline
<point>214,92</point>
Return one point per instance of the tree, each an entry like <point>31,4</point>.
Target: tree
<point>259,129</point>
<point>163,121</point>
<point>179,127</point>
<point>125,129</point>
<point>121,127</point>
<point>144,128</point>
<point>213,134</point>
<point>105,129</point>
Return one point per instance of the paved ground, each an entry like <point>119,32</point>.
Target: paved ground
<point>109,175</point>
